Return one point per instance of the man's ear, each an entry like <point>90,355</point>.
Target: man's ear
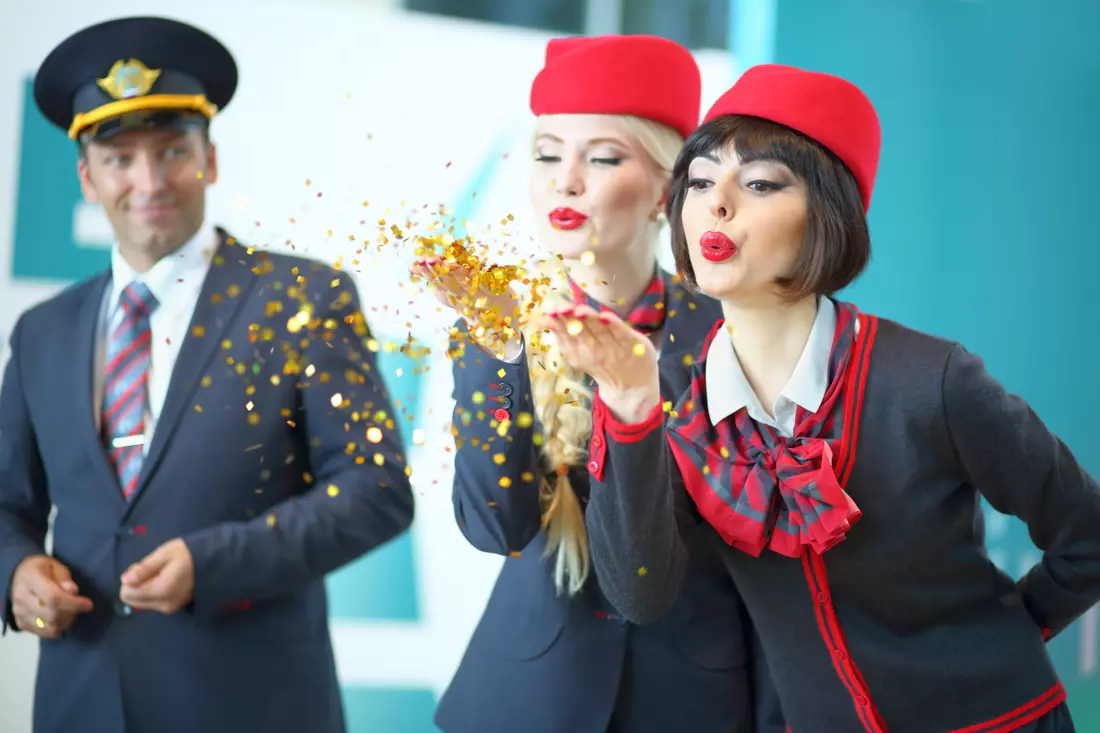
<point>85,176</point>
<point>210,173</point>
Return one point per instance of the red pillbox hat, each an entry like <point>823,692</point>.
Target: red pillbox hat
<point>645,76</point>
<point>827,109</point>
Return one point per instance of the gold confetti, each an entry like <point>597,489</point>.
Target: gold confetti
<point>501,373</point>
<point>40,623</point>
<point>477,398</point>
<point>374,435</point>
<point>333,490</point>
<point>505,482</point>
<point>499,458</point>
<point>198,331</point>
<point>206,381</point>
<point>688,359</point>
<point>310,370</point>
<point>253,418</point>
<point>639,349</point>
<point>641,572</point>
<point>270,520</point>
<point>588,258</point>
<point>527,476</point>
<point>524,420</point>
<point>418,436</point>
<point>337,400</point>
<point>379,459</point>
<point>248,406</point>
<point>666,406</point>
<point>574,328</point>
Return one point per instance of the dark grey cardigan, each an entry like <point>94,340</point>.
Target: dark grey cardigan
<point>906,625</point>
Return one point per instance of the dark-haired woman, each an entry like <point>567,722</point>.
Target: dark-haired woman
<point>841,458</point>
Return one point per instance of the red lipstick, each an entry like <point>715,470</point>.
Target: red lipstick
<point>565,218</point>
<point>717,247</point>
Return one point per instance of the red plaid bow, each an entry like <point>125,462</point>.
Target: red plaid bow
<point>757,488</point>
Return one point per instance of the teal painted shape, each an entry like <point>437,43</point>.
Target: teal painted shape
<point>47,195</point>
<point>982,218</point>
<point>382,586</point>
<point>752,32</point>
<point>469,203</point>
<point>389,710</point>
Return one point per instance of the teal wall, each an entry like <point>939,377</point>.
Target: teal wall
<point>983,219</point>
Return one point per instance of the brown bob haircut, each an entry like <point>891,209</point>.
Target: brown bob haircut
<point>837,245</point>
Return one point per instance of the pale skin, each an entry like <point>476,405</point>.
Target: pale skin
<point>595,166</point>
<point>762,207</point>
<point>151,184</point>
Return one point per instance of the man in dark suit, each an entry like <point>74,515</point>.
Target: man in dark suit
<point>207,421</point>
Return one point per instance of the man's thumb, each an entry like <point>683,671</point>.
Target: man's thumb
<point>64,578</point>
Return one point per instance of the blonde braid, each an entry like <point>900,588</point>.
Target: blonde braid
<point>563,404</point>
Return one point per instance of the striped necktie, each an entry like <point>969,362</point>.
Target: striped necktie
<point>124,385</point>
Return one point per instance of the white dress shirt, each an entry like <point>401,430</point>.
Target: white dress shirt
<point>728,389</point>
<point>175,282</point>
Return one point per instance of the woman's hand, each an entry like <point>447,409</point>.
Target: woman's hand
<point>493,318</point>
<point>622,361</point>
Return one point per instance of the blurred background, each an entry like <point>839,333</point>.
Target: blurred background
<point>352,111</point>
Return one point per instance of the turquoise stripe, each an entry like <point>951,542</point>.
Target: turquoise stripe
<point>468,204</point>
<point>752,32</point>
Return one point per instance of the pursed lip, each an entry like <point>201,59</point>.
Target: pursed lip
<point>717,247</point>
<point>566,218</point>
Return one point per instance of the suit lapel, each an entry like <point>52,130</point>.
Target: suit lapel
<point>86,340</point>
<point>225,289</point>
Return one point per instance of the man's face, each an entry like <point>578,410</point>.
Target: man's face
<point>152,186</point>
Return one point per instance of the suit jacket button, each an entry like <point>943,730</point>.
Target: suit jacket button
<point>501,415</point>
<point>505,388</point>
<point>504,402</point>
<point>123,609</point>
<point>593,466</point>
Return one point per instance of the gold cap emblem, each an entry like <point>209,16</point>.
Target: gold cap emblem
<point>128,79</point>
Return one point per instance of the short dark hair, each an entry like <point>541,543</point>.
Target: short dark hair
<point>82,144</point>
<point>837,245</point>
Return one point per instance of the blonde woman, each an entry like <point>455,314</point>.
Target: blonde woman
<point>551,654</point>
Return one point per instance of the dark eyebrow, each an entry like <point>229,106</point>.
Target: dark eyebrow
<point>711,156</point>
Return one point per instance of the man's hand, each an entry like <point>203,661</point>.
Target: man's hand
<point>163,581</point>
<point>44,598</point>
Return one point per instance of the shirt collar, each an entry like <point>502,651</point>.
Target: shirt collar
<point>728,389</point>
<point>186,267</point>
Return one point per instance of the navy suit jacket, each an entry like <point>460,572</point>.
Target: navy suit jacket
<point>543,663</point>
<point>268,501</point>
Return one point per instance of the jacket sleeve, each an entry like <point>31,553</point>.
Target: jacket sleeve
<point>495,495</point>
<point>360,497</point>
<point>637,514</point>
<point>1009,456</point>
<point>24,499</point>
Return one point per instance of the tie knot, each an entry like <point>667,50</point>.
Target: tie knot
<point>137,299</point>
